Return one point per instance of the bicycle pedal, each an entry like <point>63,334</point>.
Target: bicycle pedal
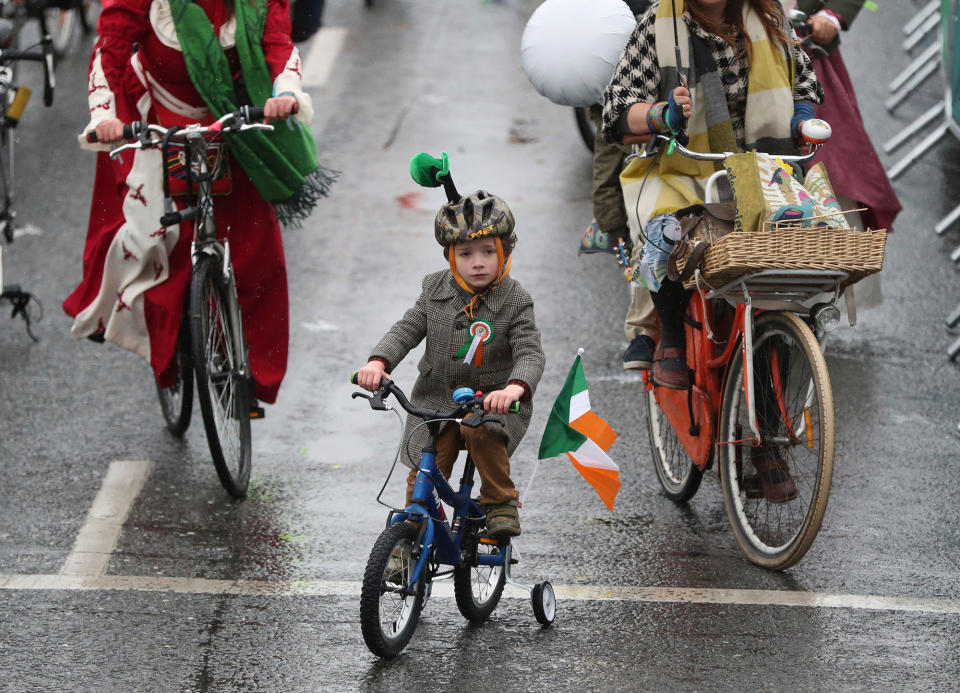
<point>257,412</point>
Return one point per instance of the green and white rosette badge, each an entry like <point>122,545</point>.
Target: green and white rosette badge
<point>481,332</point>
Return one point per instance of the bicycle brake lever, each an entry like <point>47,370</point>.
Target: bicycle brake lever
<point>376,399</point>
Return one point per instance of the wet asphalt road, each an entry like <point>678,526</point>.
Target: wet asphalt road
<point>419,76</point>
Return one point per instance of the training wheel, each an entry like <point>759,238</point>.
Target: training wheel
<point>544,602</point>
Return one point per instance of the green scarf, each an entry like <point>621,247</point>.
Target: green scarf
<point>283,163</point>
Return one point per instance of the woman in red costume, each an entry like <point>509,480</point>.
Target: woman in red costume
<point>136,273</point>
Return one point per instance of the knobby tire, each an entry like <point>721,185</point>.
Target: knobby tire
<point>387,619</point>
<point>478,587</point>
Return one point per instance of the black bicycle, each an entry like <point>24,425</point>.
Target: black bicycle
<point>211,342</point>
<point>13,100</point>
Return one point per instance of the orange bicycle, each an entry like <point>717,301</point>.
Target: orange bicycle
<point>760,403</point>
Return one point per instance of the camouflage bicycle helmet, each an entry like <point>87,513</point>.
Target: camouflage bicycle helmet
<point>479,215</point>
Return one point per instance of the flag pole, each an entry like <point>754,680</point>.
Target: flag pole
<point>526,491</point>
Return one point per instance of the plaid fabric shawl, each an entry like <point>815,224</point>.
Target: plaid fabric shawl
<point>671,182</point>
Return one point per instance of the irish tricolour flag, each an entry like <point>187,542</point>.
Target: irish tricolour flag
<point>575,429</point>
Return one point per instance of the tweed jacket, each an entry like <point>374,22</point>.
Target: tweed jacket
<point>513,353</point>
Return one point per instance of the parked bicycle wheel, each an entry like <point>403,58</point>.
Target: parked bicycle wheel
<point>62,24</point>
<point>89,14</point>
<point>678,475</point>
<point>222,376</point>
<point>478,587</point>
<point>586,126</point>
<point>388,616</point>
<point>776,494</point>
<point>176,401</point>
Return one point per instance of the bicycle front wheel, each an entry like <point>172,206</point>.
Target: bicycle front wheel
<point>478,587</point>
<point>776,494</point>
<point>678,475</point>
<point>222,370</point>
<point>176,401</point>
<point>388,613</point>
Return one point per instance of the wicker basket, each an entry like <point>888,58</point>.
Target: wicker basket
<point>859,253</point>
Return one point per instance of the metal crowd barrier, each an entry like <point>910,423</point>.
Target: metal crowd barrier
<point>940,17</point>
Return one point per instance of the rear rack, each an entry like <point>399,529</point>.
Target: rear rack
<point>786,289</point>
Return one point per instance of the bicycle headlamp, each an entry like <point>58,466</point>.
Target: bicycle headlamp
<point>826,316</point>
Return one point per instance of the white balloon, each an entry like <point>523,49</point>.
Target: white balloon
<point>570,48</point>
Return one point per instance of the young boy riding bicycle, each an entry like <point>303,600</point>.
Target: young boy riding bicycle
<point>481,333</point>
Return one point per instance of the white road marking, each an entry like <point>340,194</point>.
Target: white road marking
<point>320,326</point>
<point>444,590</point>
<point>98,537</point>
<point>85,567</point>
<point>324,49</point>
<point>27,230</point>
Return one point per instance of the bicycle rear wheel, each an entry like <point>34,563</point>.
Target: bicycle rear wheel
<point>388,616</point>
<point>176,401</point>
<point>678,475</point>
<point>478,587</point>
<point>585,126</point>
<point>776,525</point>
<point>222,370</point>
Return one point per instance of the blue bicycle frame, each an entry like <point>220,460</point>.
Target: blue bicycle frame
<point>435,531</point>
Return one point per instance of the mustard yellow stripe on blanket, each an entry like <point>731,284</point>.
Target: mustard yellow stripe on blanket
<point>665,9</point>
<point>768,68</point>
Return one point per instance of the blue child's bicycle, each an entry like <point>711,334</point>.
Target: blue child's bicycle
<point>409,555</point>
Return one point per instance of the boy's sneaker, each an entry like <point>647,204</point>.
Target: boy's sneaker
<point>639,355</point>
<point>503,520</point>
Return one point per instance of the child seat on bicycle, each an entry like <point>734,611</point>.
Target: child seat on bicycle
<point>480,332</point>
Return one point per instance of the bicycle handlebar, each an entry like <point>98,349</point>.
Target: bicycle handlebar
<point>44,56</point>
<point>243,119</point>
<point>388,387</point>
<point>719,156</point>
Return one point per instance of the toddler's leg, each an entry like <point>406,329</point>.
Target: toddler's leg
<point>498,495</point>
<point>488,449</point>
<point>449,444</point>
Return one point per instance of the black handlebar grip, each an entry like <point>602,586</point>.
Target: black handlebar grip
<point>130,131</point>
<point>514,408</point>
<point>171,218</point>
<point>252,114</point>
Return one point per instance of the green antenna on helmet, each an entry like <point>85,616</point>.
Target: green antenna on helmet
<point>431,172</point>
